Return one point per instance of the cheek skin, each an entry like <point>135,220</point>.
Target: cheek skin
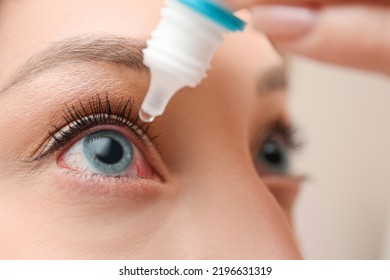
<point>45,222</point>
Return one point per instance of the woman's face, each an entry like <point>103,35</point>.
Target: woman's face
<point>82,178</point>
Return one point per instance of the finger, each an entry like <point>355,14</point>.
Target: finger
<point>240,4</point>
<point>350,35</point>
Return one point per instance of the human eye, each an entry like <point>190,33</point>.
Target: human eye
<point>274,154</point>
<point>106,152</point>
<point>273,157</point>
<point>102,141</point>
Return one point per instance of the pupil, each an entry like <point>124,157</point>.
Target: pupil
<point>107,150</point>
<point>272,153</point>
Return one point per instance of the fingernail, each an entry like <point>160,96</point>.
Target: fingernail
<point>284,22</point>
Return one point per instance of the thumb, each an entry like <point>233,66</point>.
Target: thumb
<point>354,35</point>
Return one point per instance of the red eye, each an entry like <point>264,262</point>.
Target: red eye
<point>107,152</point>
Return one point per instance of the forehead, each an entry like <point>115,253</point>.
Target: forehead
<point>28,26</point>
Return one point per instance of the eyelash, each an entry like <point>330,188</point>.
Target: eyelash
<point>96,112</point>
<point>289,135</point>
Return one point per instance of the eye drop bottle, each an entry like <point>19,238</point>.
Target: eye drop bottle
<point>181,48</point>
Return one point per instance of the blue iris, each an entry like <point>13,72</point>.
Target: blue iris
<point>108,152</point>
<point>274,156</point>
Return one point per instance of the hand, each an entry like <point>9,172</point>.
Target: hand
<point>345,32</point>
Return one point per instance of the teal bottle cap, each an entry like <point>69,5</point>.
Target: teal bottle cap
<point>218,14</point>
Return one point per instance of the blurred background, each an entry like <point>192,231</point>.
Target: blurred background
<point>344,117</point>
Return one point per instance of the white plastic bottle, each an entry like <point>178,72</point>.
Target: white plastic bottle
<point>181,48</point>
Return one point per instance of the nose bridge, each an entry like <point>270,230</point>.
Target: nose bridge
<point>229,213</point>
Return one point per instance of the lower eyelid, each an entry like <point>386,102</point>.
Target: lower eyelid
<point>284,181</point>
<point>286,186</point>
<point>81,186</point>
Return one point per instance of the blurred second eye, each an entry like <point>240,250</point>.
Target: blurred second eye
<point>106,153</point>
<point>273,157</point>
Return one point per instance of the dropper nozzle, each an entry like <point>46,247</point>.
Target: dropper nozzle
<point>145,117</point>
<point>161,89</point>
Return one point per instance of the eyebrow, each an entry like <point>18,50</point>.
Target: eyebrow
<point>275,78</point>
<point>113,49</point>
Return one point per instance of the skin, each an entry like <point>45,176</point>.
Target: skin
<point>344,32</point>
<point>207,202</point>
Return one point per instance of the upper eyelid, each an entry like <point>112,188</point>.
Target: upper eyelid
<point>55,136</point>
<point>290,134</point>
<point>96,112</point>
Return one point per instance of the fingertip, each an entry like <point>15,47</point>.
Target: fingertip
<point>284,23</point>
